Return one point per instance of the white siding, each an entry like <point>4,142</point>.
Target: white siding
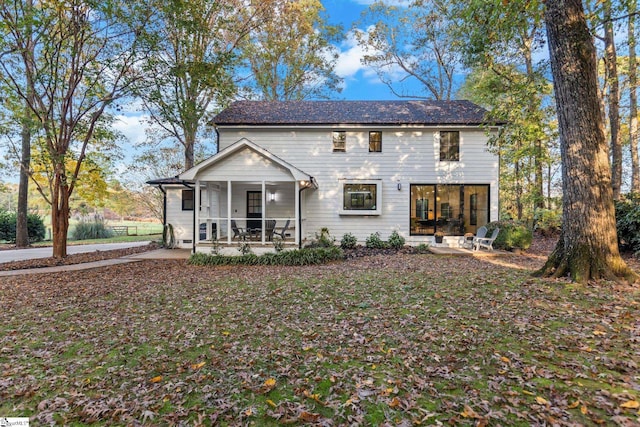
<point>409,156</point>
<point>182,221</point>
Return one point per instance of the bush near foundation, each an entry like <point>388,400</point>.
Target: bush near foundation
<point>628,222</point>
<point>513,235</point>
<point>305,256</point>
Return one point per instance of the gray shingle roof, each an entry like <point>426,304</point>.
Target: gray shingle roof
<point>351,112</point>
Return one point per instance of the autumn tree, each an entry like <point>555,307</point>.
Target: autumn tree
<point>411,44</point>
<point>191,72</point>
<point>290,56</point>
<point>588,246</point>
<point>85,59</point>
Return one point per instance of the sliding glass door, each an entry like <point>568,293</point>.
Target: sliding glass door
<point>449,208</point>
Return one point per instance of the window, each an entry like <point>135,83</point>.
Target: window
<point>339,141</point>
<point>450,145</point>
<point>452,209</point>
<point>187,200</point>
<point>361,197</point>
<point>375,142</point>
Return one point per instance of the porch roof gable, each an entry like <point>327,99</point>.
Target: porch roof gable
<point>235,149</point>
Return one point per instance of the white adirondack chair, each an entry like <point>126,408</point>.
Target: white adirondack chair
<point>485,242</point>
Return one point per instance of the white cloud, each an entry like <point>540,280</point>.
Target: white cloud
<point>350,59</point>
<point>132,127</point>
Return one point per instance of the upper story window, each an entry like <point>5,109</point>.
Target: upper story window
<point>187,200</point>
<point>339,141</point>
<point>375,141</point>
<point>450,145</point>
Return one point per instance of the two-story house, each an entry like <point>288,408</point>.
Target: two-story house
<point>359,167</point>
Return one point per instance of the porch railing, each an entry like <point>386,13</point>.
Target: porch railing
<point>219,229</point>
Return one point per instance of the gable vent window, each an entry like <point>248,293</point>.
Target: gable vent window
<point>339,141</point>
<point>375,142</point>
<point>450,146</point>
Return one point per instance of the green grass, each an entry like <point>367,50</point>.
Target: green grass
<point>418,339</point>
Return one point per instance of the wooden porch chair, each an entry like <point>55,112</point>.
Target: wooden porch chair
<point>283,231</point>
<point>485,242</point>
<point>239,232</point>
<point>270,226</point>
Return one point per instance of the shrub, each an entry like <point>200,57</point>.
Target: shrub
<point>548,221</point>
<point>513,235</point>
<point>95,229</point>
<point>348,241</point>
<point>422,248</point>
<point>628,222</point>
<point>375,242</point>
<point>396,241</point>
<point>305,256</point>
<point>322,240</point>
<point>35,227</point>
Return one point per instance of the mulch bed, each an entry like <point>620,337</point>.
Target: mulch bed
<point>76,258</point>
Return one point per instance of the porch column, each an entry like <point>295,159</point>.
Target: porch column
<point>196,216</point>
<point>229,212</point>
<point>298,219</point>
<point>264,210</point>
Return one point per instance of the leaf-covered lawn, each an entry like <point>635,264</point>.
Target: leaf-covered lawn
<point>387,340</point>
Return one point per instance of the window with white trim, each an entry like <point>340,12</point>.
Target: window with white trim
<point>187,200</point>
<point>361,197</point>
<point>450,146</point>
<point>339,141</point>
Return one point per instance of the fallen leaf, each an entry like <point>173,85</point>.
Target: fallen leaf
<point>469,413</point>
<point>271,403</point>
<point>395,402</point>
<point>309,417</point>
<point>271,382</point>
<point>197,366</point>
<point>156,379</point>
<point>630,404</point>
<point>574,405</point>
<point>542,400</point>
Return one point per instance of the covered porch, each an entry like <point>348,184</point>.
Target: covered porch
<point>246,195</point>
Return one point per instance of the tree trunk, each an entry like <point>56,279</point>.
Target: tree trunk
<point>633,101</point>
<point>22,226</point>
<point>60,213</point>
<point>22,229</point>
<point>614,101</point>
<point>189,148</point>
<point>588,245</point>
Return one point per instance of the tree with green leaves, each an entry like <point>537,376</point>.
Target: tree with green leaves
<point>499,41</point>
<point>411,44</point>
<point>85,58</point>
<point>290,55</point>
<point>17,15</point>
<point>588,246</point>
<point>633,97</point>
<point>191,72</point>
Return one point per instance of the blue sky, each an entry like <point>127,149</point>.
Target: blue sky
<point>360,82</point>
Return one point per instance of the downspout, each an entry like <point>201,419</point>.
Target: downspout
<point>164,206</point>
